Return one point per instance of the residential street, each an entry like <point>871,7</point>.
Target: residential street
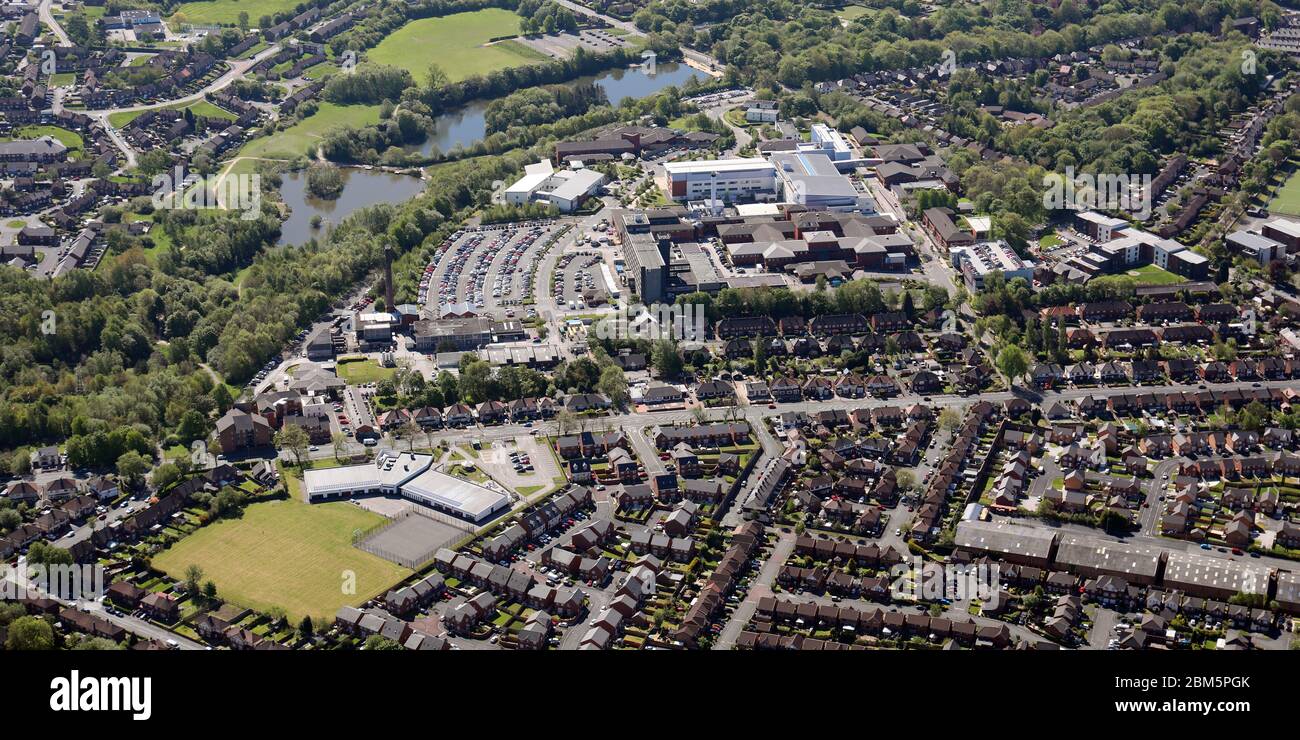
<point>761,586</point>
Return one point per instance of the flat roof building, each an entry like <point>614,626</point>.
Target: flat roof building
<point>1214,578</point>
<point>1020,544</point>
<point>810,178</point>
<point>725,180</point>
<point>978,260</point>
<point>564,189</point>
<point>1255,246</point>
<point>1089,557</point>
<point>409,475</point>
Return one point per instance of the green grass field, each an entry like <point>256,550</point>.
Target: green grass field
<point>1152,275</point>
<point>200,108</point>
<point>456,43</point>
<point>288,554</point>
<point>298,138</point>
<point>363,371</point>
<point>852,12</point>
<point>227,11</point>
<point>208,110</point>
<point>1147,275</point>
<point>71,139</point>
<point>1287,200</point>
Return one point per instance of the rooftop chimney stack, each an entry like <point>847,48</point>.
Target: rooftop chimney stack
<point>389,306</point>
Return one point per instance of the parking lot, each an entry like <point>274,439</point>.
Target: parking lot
<point>562,45</point>
<point>578,280</point>
<point>520,464</point>
<point>486,268</point>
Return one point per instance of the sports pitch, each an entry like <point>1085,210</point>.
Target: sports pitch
<point>1287,200</point>
<point>288,554</point>
<point>227,11</point>
<point>457,43</point>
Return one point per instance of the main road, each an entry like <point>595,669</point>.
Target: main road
<point>47,17</point>
<point>135,625</point>
<point>754,414</point>
<point>630,28</point>
<point>238,67</point>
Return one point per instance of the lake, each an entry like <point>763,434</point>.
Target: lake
<point>466,126</point>
<point>361,188</point>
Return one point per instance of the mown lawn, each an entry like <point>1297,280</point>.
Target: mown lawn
<point>288,554</point>
<point>852,12</point>
<point>70,139</point>
<point>1287,200</point>
<point>200,108</point>
<point>457,43</point>
<point>304,135</point>
<point>1153,275</point>
<point>356,372</point>
<point>227,11</point>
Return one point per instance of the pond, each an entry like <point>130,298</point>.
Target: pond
<point>466,126</point>
<point>361,188</point>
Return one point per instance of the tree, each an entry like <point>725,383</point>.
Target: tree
<point>294,439</point>
<point>435,78</point>
<point>155,161</point>
<point>949,419</point>
<point>222,398</point>
<point>210,590</point>
<point>193,575</point>
<point>409,430</point>
<point>1012,363</point>
<point>165,475</point>
<point>305,628</point>
<point>905,479</point>
<point>42,553</point>
<point>30,633</point>
<point>379,642</point>
<point>96,643</point>
<point>20,463</point>
<point>340,444</point>
<point>613,383</point>
<point>666,359</point>
<point>131,469</point>
<point>565,421</point>
<point>760,358</point>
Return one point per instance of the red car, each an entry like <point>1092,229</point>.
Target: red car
<point>1237,551</point>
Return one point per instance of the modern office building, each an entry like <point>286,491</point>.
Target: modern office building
<point>724,180</point>
<point>1284,232</point>
<point>565,189</point>
<point>811,179</point>
<point>828,141</point>
<point>978,260</point>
